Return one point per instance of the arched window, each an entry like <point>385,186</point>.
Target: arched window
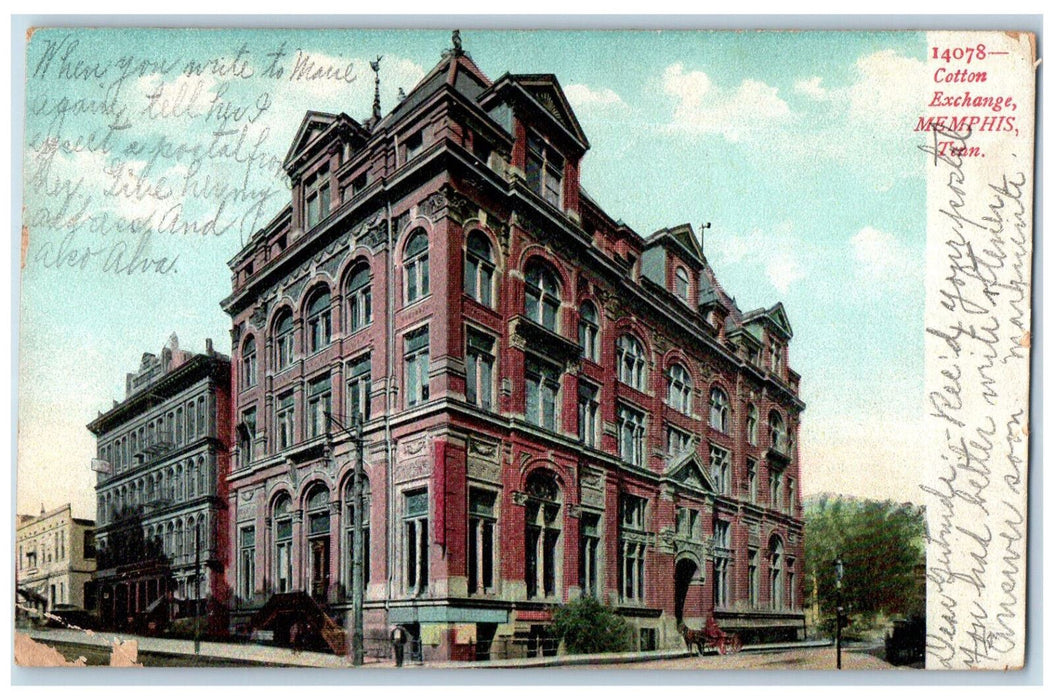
<point>479,268</point>
<point>282,537</point>
<point>679,392</point>
<point>541,295</point>
<point>542,535</point>
<point>776,572</point>
<point>317,507</point>
<point>719,410</point>
<point>777,431</point>
<point>283,340</point>
<point>682,284</point>
<point>360,299</point>
<point>349,531</point>
<point>415,264</point>
<point>588,330</point>
<point>752,424</point>
<point>630,358</point>
<point>319,329</point>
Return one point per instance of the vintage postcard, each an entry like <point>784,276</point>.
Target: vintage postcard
<point>511,349</point>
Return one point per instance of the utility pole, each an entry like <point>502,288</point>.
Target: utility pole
<point>357,543</point>
<point>197,587</point>
<point>839,569</point>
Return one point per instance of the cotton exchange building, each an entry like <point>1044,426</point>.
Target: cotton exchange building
<point>554,406</point>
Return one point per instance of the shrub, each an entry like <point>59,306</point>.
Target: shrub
<point>588,627</point>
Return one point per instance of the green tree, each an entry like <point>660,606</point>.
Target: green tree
<point>588,627</point>
<point>882,546</point>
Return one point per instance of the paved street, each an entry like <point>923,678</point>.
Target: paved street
<point>814,659</point>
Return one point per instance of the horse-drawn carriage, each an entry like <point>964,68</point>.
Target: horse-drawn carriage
<point>711,638</point>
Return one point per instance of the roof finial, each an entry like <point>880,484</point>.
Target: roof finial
<point>402,95</point>
<point>455,38</point>
<point>376,66</point>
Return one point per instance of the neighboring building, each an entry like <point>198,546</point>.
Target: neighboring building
<point>163,459</point>
<point>554,405</point>
<point>56,558</point>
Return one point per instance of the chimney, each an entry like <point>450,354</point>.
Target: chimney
<point>208,346</point>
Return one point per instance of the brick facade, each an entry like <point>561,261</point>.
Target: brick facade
<point>517,451</point>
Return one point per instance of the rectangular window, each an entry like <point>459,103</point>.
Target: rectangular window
<point>588,414</point>
<point>89,544</point>
<point>632,547</point>
<point>248,379</point>
<point>416,362</point>
<point>283,561</point>
<point>589,557</point>
<point>776,490</point>
<point>415,529</point>
<point>677,441</point>
<point>543,388</point>
<point>284,415</point>
<point>481,522</point>
<point>791,495</point>
<point>247,562</point>
<point>722,563</point>
<point>721,470</point>
<point>316,198</point>
<point>247,436</point>
<point>752,480</point>
<point>753,579</point>
<point>631,435</point>
<point>791,593</point>
<point>319,405</point>
<point>414,145</point>
<point>545,170</point>
<point>479,370</point>
<point>688,523</point>
<point>359,384</point>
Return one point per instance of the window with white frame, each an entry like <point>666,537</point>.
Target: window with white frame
<point>316,198</point>
<point>247,436</point>
<point>677,441</point>
<point>681,285</point>
<point>777,432</point>
<point>687,523</point>
<point>545,169</point>
<point>542,530</point>
<point>359,299</point>
<point>319,329</point>
<point>722,563</point>
<point>752,424</point>
<point>542,389</point>
<point>319,405</point>
<point>358,388</point>
<point>719,410</point>
<point>415,360</point>
<point>415,266</point>
<point>775,357</point>
<point>679,389</point>
<point>629,354</point>
<point>247,562</point>
<point>791,602</point>
<point>753,579</point>
<point>479,268</point>
<point>633,540</point>
<point>364,531</point>
<point>776,489</point>
<point>588,331</point>
<point>415,541</point>
<point>776,582</point>
<point>282,536</point>
<point>791,495</point>
<point>588,413</point>
<point>481,525</point>
<point>479,369</point>
<point>752,479</point>
<point>631,432</point>
<point>541,295</point>
<point>589,556</point>
<point>248,378</point>
<point>284,421</point>
<point>721,469</point>
<point>283,341</point>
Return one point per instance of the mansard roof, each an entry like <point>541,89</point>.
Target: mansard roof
<point>775,317</point>
<point>456,70</point>
<point>682,235</point>
<point>311,131</point>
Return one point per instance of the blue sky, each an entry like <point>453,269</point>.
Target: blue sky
<point>797,148</point>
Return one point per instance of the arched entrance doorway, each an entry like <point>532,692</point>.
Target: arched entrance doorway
<point>684,572</point>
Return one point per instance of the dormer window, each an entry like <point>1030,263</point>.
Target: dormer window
<point>414,145</point>
<point>775,357</point>
<point>545,170</point>
<point>681,285</point>
<point>316,198</point>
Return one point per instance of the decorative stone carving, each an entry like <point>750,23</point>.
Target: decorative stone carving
<point>484,460</point>
<point>259,317</point>
<point>519,498</point>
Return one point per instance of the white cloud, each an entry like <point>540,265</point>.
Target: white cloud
<point>811,88</point>
<point>889,88</point>
<point>881,258</point>
<point>583,96</point>
<point>734,113</point>
<point>777,252</point>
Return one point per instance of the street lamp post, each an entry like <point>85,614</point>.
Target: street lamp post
<point>357,555</point>
<point>197,588</point>
<point>839,570</point>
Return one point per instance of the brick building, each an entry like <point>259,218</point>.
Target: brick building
<point>56,558</point>
<point>161,492</point>
<point>554,405</point>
